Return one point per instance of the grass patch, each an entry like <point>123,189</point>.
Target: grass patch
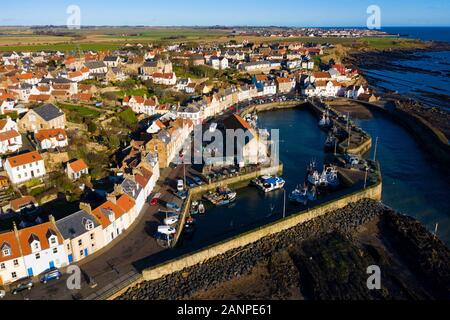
<point>129,117</point>
<point>78,114</point>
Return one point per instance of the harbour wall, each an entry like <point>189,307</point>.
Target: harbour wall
<point>373,192</point>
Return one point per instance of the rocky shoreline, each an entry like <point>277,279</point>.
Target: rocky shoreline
<point>298,263</point>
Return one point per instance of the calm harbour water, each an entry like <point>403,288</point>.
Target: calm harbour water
<point>412,183</point>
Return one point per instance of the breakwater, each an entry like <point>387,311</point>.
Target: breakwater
<point>239,261</point>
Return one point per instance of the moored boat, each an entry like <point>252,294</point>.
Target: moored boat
<point>269,183</point>
<point>223,196</point>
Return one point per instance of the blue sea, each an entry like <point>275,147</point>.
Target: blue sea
<point>421,33</point>
<point>429,81</point>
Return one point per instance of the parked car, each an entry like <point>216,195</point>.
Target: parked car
<point>198,180</point>
<point>155,200</point>
<point>24,284</point>
<point>190,182</point>
<point>167,230</point>
<point>173,206</point>
<point>2,293</point>
<point>181,194</point>
<point>169,221</point>
<point>54,274</point>
<point>180,185</point>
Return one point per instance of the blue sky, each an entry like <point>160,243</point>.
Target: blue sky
<point>228,12</point>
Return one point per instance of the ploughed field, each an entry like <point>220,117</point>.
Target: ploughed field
<point>326,258</point>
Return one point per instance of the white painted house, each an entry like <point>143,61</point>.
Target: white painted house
<point>42,248</point>
<point>25,167</point>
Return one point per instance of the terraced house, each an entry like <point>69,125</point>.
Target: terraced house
<point>12,265</point>
<point>42,248</point>
<point>168,142</point>
<point>82,234</point>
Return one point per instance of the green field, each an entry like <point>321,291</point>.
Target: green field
<point>66,47</point>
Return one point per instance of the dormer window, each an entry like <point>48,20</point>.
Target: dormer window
<point>6,252</point>
<point>89,225</point>
<point>36,246</point>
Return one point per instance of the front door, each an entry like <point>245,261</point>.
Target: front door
<point>52,264</point>
<point>30,272</point>
<point>86,253</point>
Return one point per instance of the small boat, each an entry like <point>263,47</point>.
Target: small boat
<point>194,208</point>
<point>332,177</point>
<point>223,196</point>
<point>326,121</point>
<point>331,142</point>
<point>269,183</point>
<point>312,194</point>
<point>170,221</point>
<point>314,178</point>
<point>201,208</point>
<point>299,195</point>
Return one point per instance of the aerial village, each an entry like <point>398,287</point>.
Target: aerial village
<point>87,138</point>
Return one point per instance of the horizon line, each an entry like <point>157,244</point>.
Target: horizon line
<point>216,26</point>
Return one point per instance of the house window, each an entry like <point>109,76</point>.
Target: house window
<point>68,247</point>
<point>92,236</point>
<point>6,252</point>
<point>2,266</point>
<point>53,241</point>
<point>80,243</point>
<point>81,253</point>
<point>13,275</point>
<point>55,250</point>
<point>16,262</point>
<point>38,256</point>
<point>36,246</point>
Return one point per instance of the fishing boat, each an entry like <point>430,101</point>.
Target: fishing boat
<point>222,197</point>
<point>331,142</point>
<point>326,121</point>
<point>269,183</point>
<point>299,195</point>
<point>311,194</point>
<point>332,177</point>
